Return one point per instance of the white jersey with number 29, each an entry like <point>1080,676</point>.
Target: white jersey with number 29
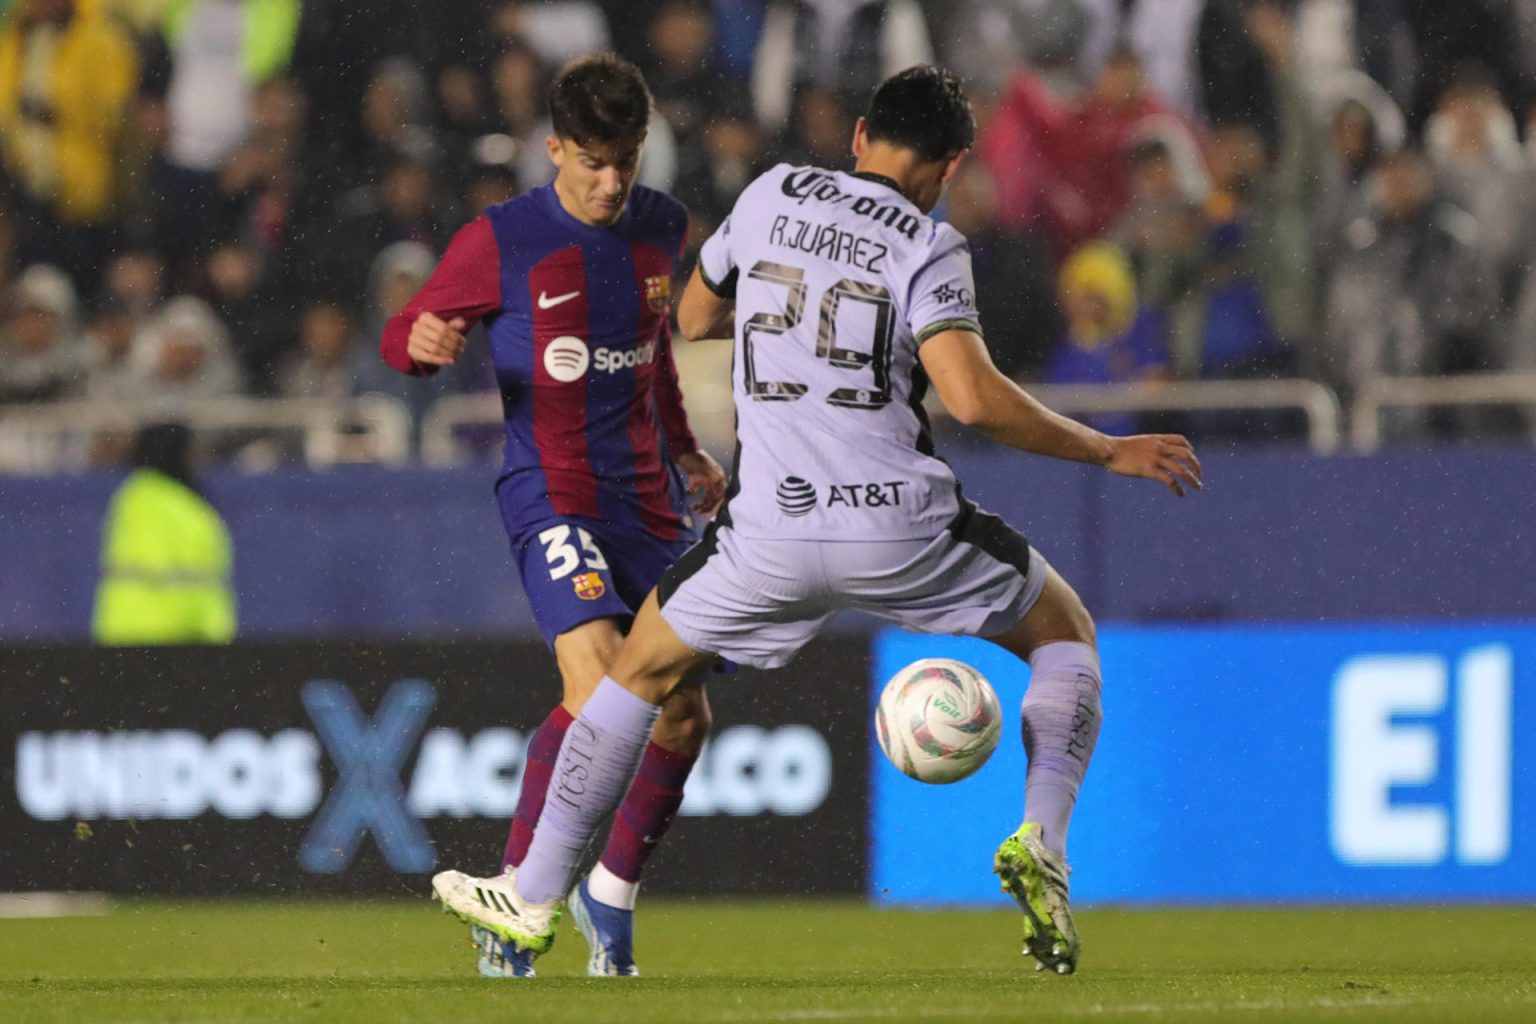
<point>838,279</point>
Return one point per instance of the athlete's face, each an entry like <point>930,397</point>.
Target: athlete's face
<point>594,181</point>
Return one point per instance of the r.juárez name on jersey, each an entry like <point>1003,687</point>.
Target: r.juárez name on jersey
<point>838,279</point>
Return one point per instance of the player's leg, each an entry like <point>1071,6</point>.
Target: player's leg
<point>602,752</point>
<point>653,801</point>
<point>1062,709</point>
<point>716,600</point>
<point>721,598</point>
<point>1060,716</point>
<point>982,578</point>
<point>583,585</point>
<point>621,568</point>
<point>594,766</point>
<point>583,654</point>
<point>602,904</point>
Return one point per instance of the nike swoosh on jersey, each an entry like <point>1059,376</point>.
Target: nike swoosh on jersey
<point>545,302</point>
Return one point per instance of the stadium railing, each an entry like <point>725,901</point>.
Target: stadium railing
<point>448,416</point>
<point>56,437</point>
<point>60,436</point>
<point>1317,403</point>
<point>440,426</point>
<point>1421,393</point>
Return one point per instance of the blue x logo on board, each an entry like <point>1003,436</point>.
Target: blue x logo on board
<point>368,796</point>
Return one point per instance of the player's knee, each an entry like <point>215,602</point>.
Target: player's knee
<point>685,722</point>
<point>584,655</point>
<point>1068,617</point>
<point>1083,629</point>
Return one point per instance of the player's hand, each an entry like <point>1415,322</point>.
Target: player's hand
<point>1168,458</point>
<point>706,481</point>
<point>436,342</point>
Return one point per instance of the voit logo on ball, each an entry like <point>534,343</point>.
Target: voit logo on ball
<point>796,496</point>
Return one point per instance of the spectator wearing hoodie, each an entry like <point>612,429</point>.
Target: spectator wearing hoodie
<point>1474,149</point>
<point>1364,125</point>
<point>39,352</point>
<point>185,355</point>
<point>1411,288</point>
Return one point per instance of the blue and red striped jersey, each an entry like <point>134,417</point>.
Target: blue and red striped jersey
<point>578,323</point>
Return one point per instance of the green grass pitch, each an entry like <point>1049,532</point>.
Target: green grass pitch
<point>749,961</point>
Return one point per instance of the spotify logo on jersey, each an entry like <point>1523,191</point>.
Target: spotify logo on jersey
<point>565,359</point>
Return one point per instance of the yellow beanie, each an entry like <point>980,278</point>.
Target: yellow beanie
<point>1101,267</point>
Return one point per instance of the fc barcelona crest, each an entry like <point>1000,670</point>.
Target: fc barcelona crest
<point>589,586</point>
<point>658,292</point>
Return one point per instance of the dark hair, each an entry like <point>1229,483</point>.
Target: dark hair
<point>599,98</point>
<point>166,448</point>
<point>923,109</point>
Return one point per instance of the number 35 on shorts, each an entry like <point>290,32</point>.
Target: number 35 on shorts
<point>561,551</point>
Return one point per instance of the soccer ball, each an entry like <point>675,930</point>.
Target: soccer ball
<point>938,720</point>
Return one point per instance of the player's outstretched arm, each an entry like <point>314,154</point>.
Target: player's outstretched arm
<point>977,394</point>
<point>703,314</point>
<point>428,333</point>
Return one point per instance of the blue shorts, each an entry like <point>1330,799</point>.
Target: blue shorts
<point>577,569</point>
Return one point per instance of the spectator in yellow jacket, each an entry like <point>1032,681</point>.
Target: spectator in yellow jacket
<point>165,561</point>
<point>67,77</point>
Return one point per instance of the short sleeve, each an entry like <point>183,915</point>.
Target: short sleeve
<point>943,295</point>
<point>717,265</point>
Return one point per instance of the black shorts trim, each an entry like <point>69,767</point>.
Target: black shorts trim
<point>991,534</point>
<point>692,561</point>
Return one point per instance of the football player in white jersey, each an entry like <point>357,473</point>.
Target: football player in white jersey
<point>846,301</point>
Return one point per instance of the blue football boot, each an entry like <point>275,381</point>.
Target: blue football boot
<point>497,959</point>
<point>609,931</point>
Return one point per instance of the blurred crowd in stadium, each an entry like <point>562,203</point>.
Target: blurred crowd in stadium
<point>206,198</point>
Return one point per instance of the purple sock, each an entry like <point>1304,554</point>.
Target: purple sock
<point>597,763</point>
<point>647,810</point>
<point>538,766</point>
<point>1061,716</point>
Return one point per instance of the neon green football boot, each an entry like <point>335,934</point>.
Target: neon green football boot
<point>1037,878</point>
<point>494,905</point>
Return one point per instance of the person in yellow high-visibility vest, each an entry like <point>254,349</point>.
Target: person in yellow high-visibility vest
<point>165,560</point>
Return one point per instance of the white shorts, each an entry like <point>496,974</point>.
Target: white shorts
<point>757,602</point>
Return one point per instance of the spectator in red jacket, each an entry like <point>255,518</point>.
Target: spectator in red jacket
<point>1061,164</point>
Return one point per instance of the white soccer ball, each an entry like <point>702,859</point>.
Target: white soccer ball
<point>938,720</point>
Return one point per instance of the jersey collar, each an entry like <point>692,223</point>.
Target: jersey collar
<point>879,179</point>
<point>560,213</point>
